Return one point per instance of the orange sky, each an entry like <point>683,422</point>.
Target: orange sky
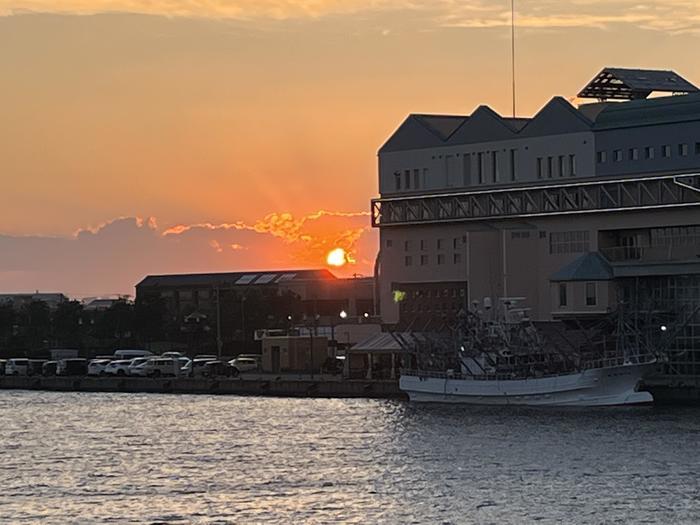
<point>221,112</point>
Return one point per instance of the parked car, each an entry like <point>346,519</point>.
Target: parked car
<point>172,354</point>
<point>96,367</point>
<point>244,364</point>
<point>3,362</point>
<point>119,367</point>
<point>49,368</point>
<point>195,367</point>
<point>34,366</point>
<point>134,364</point>
<point>159,366</point>
<point>16,367</point>
<point>130,354</point>
<point>217,369</point>
<point>76,366</point>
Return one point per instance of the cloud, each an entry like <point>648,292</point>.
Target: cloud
<point>674,16</point>
<point>114,256</point>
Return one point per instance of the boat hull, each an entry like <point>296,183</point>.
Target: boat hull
<point>610,386</point>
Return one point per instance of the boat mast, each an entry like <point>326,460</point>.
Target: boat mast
<point>512,49</point>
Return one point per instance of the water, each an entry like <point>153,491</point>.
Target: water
<point>133,458</point>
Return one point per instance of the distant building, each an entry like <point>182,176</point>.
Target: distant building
<point>573,211</point>
<point>92,305</point>
<point>17,300</point>
<point>250,301</point>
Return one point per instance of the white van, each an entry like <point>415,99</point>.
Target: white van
<point>16,367</point>
<point>130,354</point>
<point>158,366</point>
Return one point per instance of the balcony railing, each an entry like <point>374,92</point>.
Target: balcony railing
<point>651,253</point>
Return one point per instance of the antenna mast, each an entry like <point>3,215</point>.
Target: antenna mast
<point>512,48</point>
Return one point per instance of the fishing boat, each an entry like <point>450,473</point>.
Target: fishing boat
<point>609,382</point>
<point>513,362</point>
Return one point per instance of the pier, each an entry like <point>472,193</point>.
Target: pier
<point>282,387</point>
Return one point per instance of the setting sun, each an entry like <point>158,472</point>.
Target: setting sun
<point>337,257</point>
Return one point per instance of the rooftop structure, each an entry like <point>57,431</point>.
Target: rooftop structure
<point>631,84</point>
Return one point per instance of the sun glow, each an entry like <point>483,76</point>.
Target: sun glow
<point>337,257</point>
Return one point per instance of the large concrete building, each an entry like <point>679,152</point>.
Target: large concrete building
<point>575,210</point>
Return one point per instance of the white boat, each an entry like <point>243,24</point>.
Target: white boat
<point>610,382</point>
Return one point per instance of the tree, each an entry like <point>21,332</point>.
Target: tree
<point>67,327</point>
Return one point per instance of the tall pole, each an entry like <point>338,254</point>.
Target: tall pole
<point>512,48</point>
<point>219,342</point>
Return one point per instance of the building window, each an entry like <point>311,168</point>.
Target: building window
<point>550,167</point>
<point>634,154</point>
<point>561,165</point>
<point>440,244</point>
<point>389,243</point>
<point>494,166</point>
<point>416,179</point>
<point>480,167</point>
<point>543,235</point>
<point>423,260</point>
<point>562,294</point>
<point>513,160</point>
<point>649,153</point>
<point>617,155</point>
<point>697,148</point>
<point>666,151</point>
<point>408,260</point>
<point>407,246</point>
<point>425,177</point>
<point>520,235</point>
<point>591,295</point>
<point>572,165</point>
<point>397,180</point>
<point>539,167</point>
<point>441,258</point>
<point>422,245</point>
<point>569,242</point>
<point>457,258</point>
<point>407,179</point>
<point>602,157</point>
<point>466,169</point>
<point>683,150</point>
<point>455,243</point>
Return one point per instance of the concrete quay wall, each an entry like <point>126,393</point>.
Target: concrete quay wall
<point>257,387</point>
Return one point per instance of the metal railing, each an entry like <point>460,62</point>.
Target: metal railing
<point>586,365</point>
<point>652,253</point>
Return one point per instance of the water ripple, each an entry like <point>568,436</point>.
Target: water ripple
<point>167,459</point>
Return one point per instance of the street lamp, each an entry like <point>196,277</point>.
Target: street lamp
<point>343,314</point>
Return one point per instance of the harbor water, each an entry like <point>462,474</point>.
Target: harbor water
<point>157,458</point>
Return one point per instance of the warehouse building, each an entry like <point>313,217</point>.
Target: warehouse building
<point>573,211</point>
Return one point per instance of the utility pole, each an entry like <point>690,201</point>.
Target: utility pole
<point>219,342</point>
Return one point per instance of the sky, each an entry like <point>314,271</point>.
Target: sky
<point>163,136</point>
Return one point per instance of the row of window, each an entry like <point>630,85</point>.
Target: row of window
<point>591,294</point>
<point>666,152</point>
<point>425,259</point>
<point>410,179</point>
<point>676,236</point>
<point>569,242</point>
<point>440,244</point>
<point>559,166</point>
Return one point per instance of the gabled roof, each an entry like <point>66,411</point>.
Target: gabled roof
<point>484,125</point>
<point>556,117</point>
<point>630,84</point>
<point>589,267</point>
<point>442,125</point>
<point>412,134</point>
<point>251,278</point>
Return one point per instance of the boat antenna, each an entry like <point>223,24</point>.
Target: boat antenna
<point>512,48</point>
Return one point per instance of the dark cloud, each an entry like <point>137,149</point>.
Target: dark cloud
<point>115,256</point>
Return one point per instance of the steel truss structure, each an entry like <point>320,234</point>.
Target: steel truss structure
<point>607,195</point>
